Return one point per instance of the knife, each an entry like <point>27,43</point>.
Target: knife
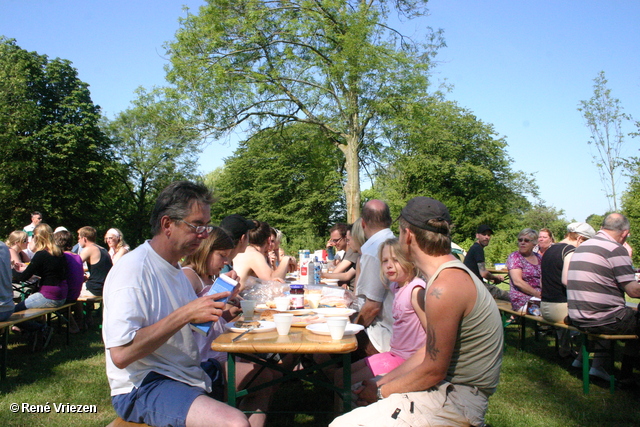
<point>251,328</point>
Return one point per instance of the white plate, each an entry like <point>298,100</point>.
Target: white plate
<point>265,326</point>
<point>323,328</point>
<point>334,311</point>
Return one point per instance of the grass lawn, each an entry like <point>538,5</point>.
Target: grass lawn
<point>536,389</point>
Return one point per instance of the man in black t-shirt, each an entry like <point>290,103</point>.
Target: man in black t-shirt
<point>474,260</point>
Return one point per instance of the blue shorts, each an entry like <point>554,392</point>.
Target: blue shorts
<point>155,403</point>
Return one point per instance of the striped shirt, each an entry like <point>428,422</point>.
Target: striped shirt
<point>598,273</point>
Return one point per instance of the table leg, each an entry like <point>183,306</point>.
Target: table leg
<point>231,380</point>
<point>346,381</point>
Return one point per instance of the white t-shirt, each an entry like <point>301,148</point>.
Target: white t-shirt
<point>140,290</point>
<point>370,286</point>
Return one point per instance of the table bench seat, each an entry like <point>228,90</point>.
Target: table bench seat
<point>586,341</point>
<point>23,316</point>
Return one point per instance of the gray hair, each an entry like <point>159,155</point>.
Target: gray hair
<point>616,222</point>
<point>176,202</point>
<point>530,233</point>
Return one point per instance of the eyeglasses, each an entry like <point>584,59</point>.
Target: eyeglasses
<point>523,240</point>
<point>199,229</point>
<point>336,240</point>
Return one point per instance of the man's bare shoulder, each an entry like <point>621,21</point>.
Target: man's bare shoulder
<point>453,286</point>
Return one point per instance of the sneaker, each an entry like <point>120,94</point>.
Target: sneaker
<point>600,373</point>
<point>577,363</point>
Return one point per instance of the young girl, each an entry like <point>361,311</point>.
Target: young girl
<point>201,268</point>
<point>408,334</point>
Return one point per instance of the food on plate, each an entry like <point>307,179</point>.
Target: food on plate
<point>245,324</point>
<point>307,319</point>
<point>268,314</point>
<point>333,301</point>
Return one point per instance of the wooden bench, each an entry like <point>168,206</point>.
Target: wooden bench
<point>23,316</point>
<point>586,342</point>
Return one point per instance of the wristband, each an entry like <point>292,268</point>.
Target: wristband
<point>380,397</point>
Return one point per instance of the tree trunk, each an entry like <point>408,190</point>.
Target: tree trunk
<point>352,185</point>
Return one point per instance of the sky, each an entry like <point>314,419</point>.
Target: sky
<point>522,67</point>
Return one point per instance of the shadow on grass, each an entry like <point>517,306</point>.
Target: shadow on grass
<point>25,367</point>
<point>537,388</point>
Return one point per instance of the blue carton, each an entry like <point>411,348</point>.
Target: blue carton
<point>223,283</point>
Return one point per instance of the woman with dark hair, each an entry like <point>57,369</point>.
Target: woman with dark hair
<point>254,262</point>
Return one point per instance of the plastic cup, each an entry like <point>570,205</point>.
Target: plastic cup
<point>282,303</point>
<point>337,325</point>
<point>283,322</point>
<point>248,308</point>
<point>314,300</point>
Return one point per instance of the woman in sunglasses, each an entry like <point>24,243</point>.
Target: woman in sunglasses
<point>524,270</point>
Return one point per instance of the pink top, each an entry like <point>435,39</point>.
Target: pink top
<point>407,335</point>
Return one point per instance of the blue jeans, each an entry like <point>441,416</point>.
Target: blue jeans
<point>38,300</point>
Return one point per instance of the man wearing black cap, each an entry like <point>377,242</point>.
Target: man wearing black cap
<point>449,381</point>
<point>475,262</point>
<point>237,228</point>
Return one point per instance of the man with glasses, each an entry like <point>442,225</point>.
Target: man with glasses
<point>153,362</point>
<point>338,241</point>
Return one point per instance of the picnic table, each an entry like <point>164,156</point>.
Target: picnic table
<point>254,346</point>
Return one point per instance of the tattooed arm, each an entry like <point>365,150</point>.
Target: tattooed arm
<point>448,300</point>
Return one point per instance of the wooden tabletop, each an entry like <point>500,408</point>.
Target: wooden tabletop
<point>299,340</point>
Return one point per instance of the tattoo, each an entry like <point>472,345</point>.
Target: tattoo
<point>431,343</point>
<point>436,292</point>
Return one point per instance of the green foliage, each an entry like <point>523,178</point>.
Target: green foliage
<point>604,118</point>
<point>154,145</point>
<point>440,150</point>
<point>541,216</point>
<point>53,156</point>
<point>631,209</point>
<point>287,177</point>
<point>332,64</point>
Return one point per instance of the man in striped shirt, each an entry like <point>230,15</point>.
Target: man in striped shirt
<point>600,273</point>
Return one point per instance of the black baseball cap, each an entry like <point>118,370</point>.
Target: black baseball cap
<point>420,210</point>
<point>236,226</point>
<point>483,228</point>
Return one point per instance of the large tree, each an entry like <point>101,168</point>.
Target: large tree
<point>287,177</point>
<point>53,156</point>
<point>154,146</point>
<point>604,117</point>
<point>440,150</point>
<point>332,64</point>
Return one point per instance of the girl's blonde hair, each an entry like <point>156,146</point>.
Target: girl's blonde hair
<point>398,253</point>
<point>43,240</point>
<point>16,237</point>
